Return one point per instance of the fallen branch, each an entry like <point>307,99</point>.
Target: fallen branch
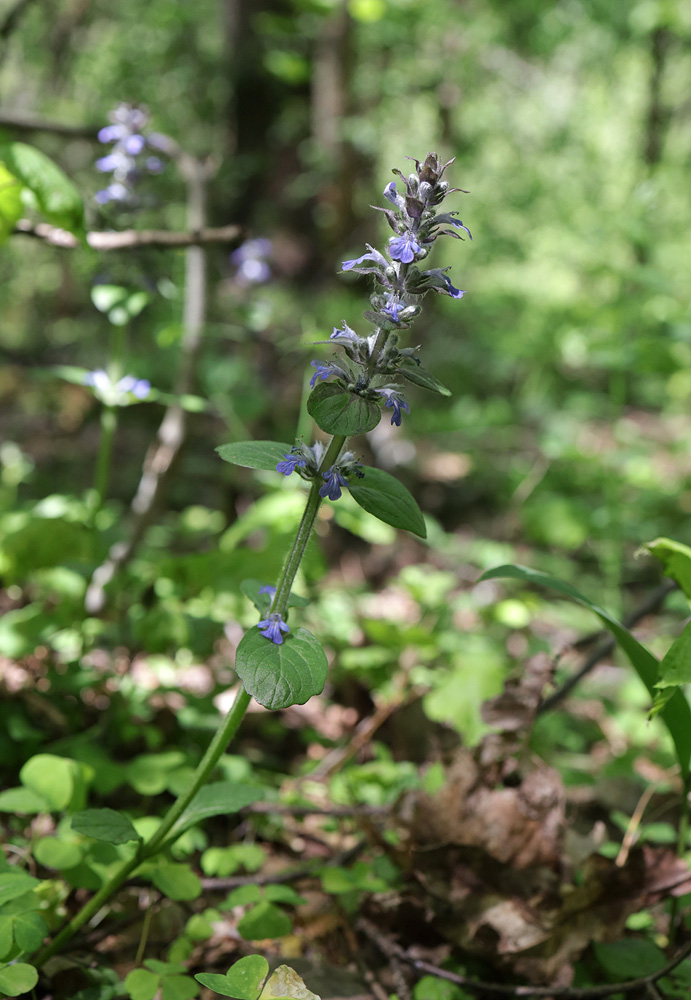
<point>130,237</point>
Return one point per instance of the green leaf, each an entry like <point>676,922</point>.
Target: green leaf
<point>676,559</point>
<point>24,801</point>
<point>51,777</point>
<point>105,824</point>
<point>29,930</point>
<point>263,455</point>
<point>338,411</point>
<point>283,894</point>
<point>58,854</point>
<point>629,959</point>
<point>14,884</point>
<point>431,988</point>
<point>420,376</point>
<point>220,798</point>
<point>141,985</point>
<point>17,979</point>
<point>10,202</point>
<point>675,669</point>
<point>285,982</point>
<point>264,921</point>
<point>56,196</point>
<point>244,895</point>
<point>676,714</point>
<point>178,988</point>
<point>6,935</point>
<point>383,496</point>
<point>281,675</point>
<point>177,882</point>
<point>118,303</point>
<point>262,602</point>
<point>244,979</point>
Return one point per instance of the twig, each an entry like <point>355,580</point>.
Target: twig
<point>129,238</point>
<point>650,604</point>
<point>634,823</point>
<point>288,810</point>
<point>391,949</point>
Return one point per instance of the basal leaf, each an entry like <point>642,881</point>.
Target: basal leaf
<point>420,376</point>
<point>178,987</point>
<point>29,930</point>
<point>23,800</point>
<point>676,713</point>
<point>55,853</point>
<point>141,984</point>
<point>382,495</point>
<point>263,455</point>
<point>10,202</point>
<point>105,824</point>
<point>676,560</point>
<point>55,194</point>
<point>281,675</point>
<point>338,411</point>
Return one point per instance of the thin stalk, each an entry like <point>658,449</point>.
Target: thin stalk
<point>302,537</point>
<point>225,733</point>
<point>109,422</point>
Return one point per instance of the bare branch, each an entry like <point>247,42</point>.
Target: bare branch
<point>393,950</point>
<point>131,237</point>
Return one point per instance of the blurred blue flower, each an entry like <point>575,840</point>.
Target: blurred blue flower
<point>290,464</point>
<point>117,393</point>
<point>324,370</point>
<point>126,133</point>
<point>250,261</point>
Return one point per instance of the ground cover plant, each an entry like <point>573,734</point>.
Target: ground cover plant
<point>303,693</point>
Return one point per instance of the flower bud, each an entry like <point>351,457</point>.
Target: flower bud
<point>426,191</point>
<point>414,207</point>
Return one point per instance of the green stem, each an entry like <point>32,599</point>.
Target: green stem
<point>302,537</point>
<point>225,733</point>
<point>109,421</point>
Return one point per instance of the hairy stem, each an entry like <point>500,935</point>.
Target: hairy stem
<point>302,536</point>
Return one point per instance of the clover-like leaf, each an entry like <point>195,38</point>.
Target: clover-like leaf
<point>17,978</point>
<point>263,455</point>
<point>243,981</point>
<point>382,495</point>
<point>177,882</point>
<point>278,676</point>
<point>338,411</point>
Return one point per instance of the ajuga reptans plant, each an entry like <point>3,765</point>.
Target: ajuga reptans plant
<point>348,396</point>
<point>280,664</point>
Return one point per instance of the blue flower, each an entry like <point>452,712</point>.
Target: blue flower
<point>391,193</point>
<point>290,464</point>
<point>324,370</point>
<point>404,248</point>
<point>373,255</point>
<point>332,486</point>
<point>437,280</point>
<point>395,400</point>
<point>392,308</point>
<point>268,589</point>
<point>272,627</point>
<point>346,334</point>
<point>455,293</point>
